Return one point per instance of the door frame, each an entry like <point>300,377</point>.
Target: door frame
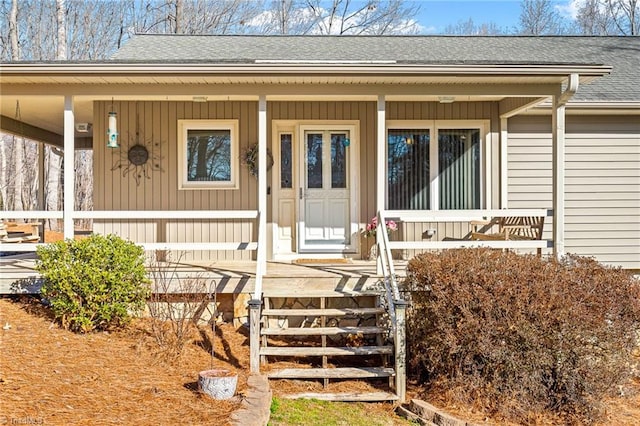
<point>297,128</point>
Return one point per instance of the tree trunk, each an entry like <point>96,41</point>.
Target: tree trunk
<point>13,31</point>
<point>179,16</point>
<point>61,51</point>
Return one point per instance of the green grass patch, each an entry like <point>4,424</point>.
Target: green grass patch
<point>310,412</point>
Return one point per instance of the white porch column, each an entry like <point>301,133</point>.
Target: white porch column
<point>504,138</point>
<point>41,200</point>
<point>558,128</point>
<point>558,124</point>
<point>381,175</point>
<point>380,154</point>
<point>262,182</point>
<point>558,162</point>
<point>69,166</point>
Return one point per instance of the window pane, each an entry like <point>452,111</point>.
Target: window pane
<point>285,161</point>
<point>314,160</point>
<point>459,159</point>
<point>408,169</point>
<point>338,161</point>
<point>208,155</point>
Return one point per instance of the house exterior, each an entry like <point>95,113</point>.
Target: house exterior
<point>434,131</point>
<point>256,148</point>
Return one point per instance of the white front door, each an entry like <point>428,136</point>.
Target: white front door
<point>325,191</point>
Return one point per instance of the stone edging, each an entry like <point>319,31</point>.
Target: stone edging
<point>426,414</point>
<point>256,407</point>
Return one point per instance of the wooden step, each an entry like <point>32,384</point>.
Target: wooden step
<point>332,373</point>
<point>329,312</point>
<point>320,331</point>
<point>327,351</point>
<point>346,397</point>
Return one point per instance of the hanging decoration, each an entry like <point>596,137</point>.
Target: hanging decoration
<point>141,156</point>
<point>249,158</point>
<point>112,128</point>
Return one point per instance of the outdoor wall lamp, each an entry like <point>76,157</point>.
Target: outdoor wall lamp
<point>446,99</point>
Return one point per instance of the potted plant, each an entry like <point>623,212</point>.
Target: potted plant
<point>372,229</point>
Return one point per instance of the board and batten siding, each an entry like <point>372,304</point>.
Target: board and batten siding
<point>155,125</point>
<point>602,182</point>
<point>487,110</point>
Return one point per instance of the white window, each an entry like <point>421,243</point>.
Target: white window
<point>208,154</point>
<point>435,165</point>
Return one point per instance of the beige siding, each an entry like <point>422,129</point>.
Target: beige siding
<point>602,182</point>
<point>157,130</point>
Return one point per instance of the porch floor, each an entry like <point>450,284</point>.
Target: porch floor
<point>18,275</point>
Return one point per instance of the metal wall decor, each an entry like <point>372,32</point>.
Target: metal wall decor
<point>138,155</point>
<point>141,156</point>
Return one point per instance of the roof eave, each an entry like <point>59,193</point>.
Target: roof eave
<point>591,107</point>
<point>131,69</point>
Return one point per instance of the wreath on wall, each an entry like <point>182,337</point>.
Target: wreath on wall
<point>249,158</point>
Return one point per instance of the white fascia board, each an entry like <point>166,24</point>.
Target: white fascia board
<point>123,69</point>
<point>590,108</point>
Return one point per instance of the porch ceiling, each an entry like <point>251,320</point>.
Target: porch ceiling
<point>43,115</point>
<point>40,88</point>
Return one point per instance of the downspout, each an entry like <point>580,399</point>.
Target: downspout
<point>570,90</point>
<point>558,161</point>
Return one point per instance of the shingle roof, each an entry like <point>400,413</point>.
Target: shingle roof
<point>622,53</point>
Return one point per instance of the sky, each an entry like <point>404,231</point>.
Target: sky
<point>435,15</point>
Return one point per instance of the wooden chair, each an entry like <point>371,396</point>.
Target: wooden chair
<point>509,228</point>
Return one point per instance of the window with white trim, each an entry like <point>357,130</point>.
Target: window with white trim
<point>434,173</point>
<point>208,154</point>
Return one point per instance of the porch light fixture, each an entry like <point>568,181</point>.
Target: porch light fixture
<point>446,99</point>
<point>199,99</point>
<point>112,128</point>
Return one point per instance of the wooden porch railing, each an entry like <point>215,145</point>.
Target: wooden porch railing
<point>258,246</point>
<point>465,216</point>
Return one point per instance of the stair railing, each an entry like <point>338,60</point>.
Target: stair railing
<point>396,305</point>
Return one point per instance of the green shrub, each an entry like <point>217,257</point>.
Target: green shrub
<point>93,283</point>
<point>520,334</point>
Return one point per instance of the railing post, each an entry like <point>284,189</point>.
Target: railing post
<point>254,334</point>
<point>401,349</point>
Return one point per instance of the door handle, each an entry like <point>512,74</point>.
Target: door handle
<point>301,195</point>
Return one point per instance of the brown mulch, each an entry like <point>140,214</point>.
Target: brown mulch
<point>53,376</point>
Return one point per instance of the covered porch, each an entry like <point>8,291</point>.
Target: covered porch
<point>258,224</point>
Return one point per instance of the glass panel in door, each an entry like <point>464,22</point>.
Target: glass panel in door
<point>325,198</point>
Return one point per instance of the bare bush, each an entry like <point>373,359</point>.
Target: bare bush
<point>519,334</point>
<point>177,303</point>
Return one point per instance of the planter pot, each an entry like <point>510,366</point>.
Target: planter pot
<point>218,384</point>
